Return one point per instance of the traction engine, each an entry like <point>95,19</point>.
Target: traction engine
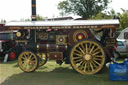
<point>85,44</point>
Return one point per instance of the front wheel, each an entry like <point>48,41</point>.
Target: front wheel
<point>87,57</point>
<point>28,61</point>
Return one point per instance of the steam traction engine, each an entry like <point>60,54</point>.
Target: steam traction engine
<point>85,44</point>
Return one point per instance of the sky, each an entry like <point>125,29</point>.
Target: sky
<point>21,9</point>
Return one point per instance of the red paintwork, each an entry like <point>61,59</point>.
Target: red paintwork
<point>12,55</point>
<point>1,25</point>
<point>80,35</point>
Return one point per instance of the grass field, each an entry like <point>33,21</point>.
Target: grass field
<point>52,74</point>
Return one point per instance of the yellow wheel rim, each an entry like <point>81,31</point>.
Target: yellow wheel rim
<point>27,61</point>
<point>87,57</point>
<point>42,58</point>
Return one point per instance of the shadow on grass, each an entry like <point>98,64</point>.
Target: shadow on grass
<point>59,76</point>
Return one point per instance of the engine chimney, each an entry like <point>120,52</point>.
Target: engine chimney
<point>33,10</point>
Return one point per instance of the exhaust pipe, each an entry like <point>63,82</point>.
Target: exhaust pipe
<point>33,10</point>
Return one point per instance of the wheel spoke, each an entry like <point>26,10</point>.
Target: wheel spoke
<point>99,56</point>
<point>88,68</point>
<point>100,59</point>
<point>81,50</point>
<point>82,47</point>
<point>95,50</point>
<point>97,62</point>
<point>78,54</point>
<point>92,67</point>
<point>86,48</point>
<point>77,51</point>
<point>77,61</point>
<point>25,56</point>
<point>92,49</point>
<point>30,56</point>
<point>81,65</point>
<point>77,57</point>
<point>96,53</point>
<point>85,66</point>
<point>90,46</point>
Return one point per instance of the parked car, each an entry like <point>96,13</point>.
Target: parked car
<point>122,47</point>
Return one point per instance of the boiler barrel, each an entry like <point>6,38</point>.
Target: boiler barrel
<point>51,48</point>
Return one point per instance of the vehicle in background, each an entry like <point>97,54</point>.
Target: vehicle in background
<point>122,47</point>
<point>7,45</point>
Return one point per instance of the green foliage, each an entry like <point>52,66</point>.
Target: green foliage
<point>122,16</point>
<point>123,19</point>
<point>27,20</point>
<point>112,14</point>
<point>39,18</point>
<point>101,15</point>
<point>83,8</point>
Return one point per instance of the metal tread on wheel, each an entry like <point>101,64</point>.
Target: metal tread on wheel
<point>87,57</point>
<point>28,61</point>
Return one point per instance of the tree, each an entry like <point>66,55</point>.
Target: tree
<point>83,8</point>
<point>101,15</point>
<point>123,19</point>
<point>107,15</point>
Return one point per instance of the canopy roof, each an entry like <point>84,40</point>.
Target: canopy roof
<point>65,23</point>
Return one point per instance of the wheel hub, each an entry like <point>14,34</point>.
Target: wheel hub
<point>27,61</point>
<point>87,57</point>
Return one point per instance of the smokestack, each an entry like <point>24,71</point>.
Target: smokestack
<point>33,10</point>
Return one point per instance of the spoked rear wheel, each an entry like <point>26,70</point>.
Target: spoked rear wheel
<point>28,61</point>
<point>87,57</point>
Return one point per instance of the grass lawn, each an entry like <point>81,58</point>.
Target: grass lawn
<point>52,74</point>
